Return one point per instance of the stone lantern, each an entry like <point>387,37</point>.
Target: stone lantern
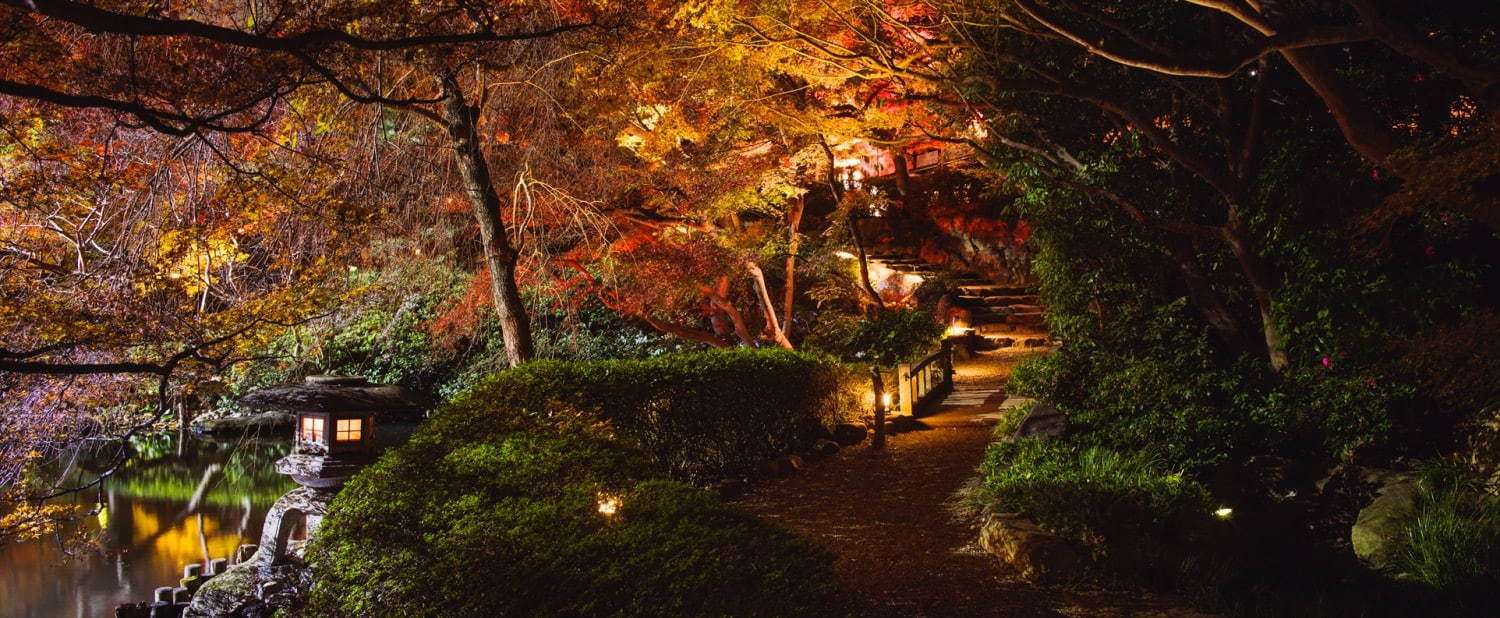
<point>334,436</point>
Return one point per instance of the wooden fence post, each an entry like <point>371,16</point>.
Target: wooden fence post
<point>879,388</point>
<point>947,361</point>
<point>903,389</point>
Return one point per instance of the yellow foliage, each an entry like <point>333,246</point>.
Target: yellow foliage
<point>191,261</point>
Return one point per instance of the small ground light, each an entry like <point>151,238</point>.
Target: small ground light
<point>844,255</point>
<point>609,505</point>
<point>1223,512</point>
<point>885,401</point>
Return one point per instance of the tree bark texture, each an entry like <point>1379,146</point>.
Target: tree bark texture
<point>515,325</point>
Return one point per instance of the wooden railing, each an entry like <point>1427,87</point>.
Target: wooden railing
<point>926,381</point>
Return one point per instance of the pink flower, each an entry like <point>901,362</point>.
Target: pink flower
<point>1327,362</point>
<point>1430,251</point>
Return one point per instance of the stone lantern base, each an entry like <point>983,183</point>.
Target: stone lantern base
<point>275,575</point>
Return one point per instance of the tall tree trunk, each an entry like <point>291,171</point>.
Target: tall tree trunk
<point>719,297</point>
<point>767,306</point>
<point>1261,288</point>
<point>864,263</point>
<point>903,177</point>
<point>789,291</point>
<point>1201,294</point>
<point>462,120</point>
<point>837,189</point>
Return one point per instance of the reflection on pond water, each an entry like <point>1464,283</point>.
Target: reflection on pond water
<point>169,505</point>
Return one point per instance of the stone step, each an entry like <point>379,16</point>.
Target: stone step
<point>1018,340</point>
<point>1000,313</point>
<point>1027,320</point>
<point>912,268</point>
<point>1009,329</point>
<point>994,301</point>
<point>993,289</point>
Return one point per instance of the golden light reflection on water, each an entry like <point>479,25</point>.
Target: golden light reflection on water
<point>184,542</point>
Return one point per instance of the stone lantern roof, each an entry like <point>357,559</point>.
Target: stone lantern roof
<point>336,394</point>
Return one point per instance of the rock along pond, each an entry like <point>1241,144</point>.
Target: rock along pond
<point>173,502</point>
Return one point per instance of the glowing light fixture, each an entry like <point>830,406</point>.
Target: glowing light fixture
<point>1223,512</point>
<point>609,506</point>
<point>886,400</point>
<point>844,255</point>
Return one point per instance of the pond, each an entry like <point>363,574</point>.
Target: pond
<point>174,502</point>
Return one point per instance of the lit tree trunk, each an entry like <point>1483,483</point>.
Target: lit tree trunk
<point>794,221</point>
<point>1261,288</point>
<point>1201,294</point>
<point>864,263</point>
<point>515,326</point>
<point>767,307</point>
<point>719,298</point>
<point>859,240</point>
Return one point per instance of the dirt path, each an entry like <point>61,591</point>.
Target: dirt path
<point>890,519</point>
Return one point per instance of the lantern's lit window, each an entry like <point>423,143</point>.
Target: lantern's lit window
<point>312,430</point>
<point>348,430</point>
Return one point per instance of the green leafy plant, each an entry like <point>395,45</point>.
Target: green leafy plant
<point>885,338</point>
<point>1091,495</point>
<point>529,520</point>
<point>1453,540</point>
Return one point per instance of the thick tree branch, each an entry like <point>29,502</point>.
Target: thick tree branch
<point>95,19</point>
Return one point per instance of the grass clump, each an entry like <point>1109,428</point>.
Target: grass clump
<point>1093,496</point>
<point>1453,540</point>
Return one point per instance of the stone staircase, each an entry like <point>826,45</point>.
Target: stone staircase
<point>1005,315</point>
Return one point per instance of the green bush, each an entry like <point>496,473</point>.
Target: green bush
<point>1090,495</point>
<point>885,338</point>
<point>507,522</point>
<point>1453,541</point>
<point>698,416</point>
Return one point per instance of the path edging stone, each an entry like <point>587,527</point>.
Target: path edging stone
<point>1037,556</point>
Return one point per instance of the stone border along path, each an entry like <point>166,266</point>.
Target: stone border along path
<point>892,519</point>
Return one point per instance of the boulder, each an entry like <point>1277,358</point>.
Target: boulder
<point>825,448</point>
<point>790,463</point>
<point>785,464</point>
<point>1037,555</point>
<point>1377,529</point>
<point>849,434</point>
<point>1043,421</point>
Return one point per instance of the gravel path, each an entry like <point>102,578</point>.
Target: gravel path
<point>891,519</point>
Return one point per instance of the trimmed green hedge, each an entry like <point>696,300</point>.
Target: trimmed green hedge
<point>508,524</point>
<point>698,416</point>
<point>493,507</point>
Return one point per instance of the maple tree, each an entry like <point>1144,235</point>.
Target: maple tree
<point>1030,82</point>
<point>183,183</point>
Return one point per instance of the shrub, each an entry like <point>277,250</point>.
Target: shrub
<point>698,415</point>
<point>508,523</point>
<point>886,338</point>
<point>1091,495</point>
<point>1453,541</point>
